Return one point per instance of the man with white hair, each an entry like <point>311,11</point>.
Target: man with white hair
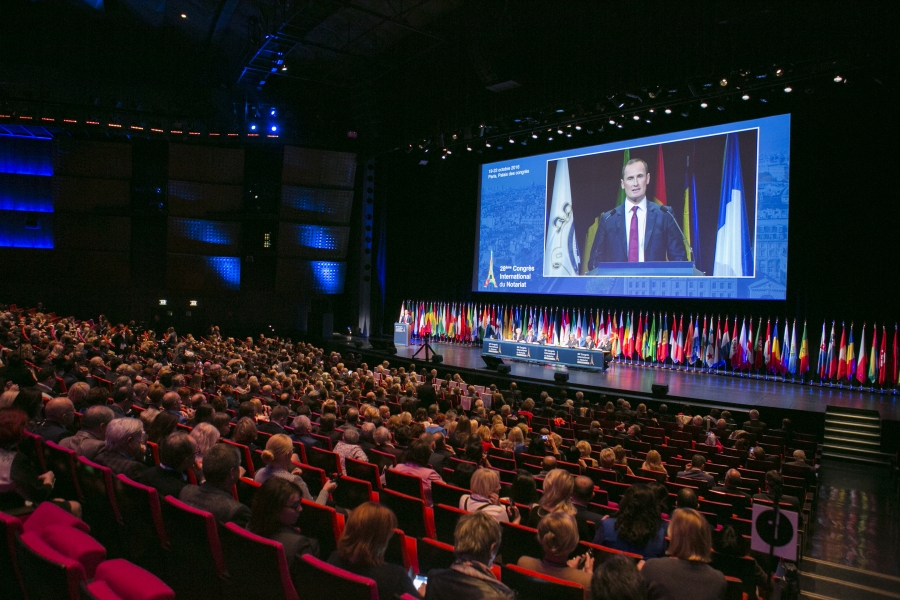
<point>799,462</point>
<point>302,428</point>
<point>124,448</point>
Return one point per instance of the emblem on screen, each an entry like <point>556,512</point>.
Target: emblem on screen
<point>490,276</point>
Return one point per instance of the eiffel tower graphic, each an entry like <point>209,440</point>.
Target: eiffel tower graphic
<point>490,278</point>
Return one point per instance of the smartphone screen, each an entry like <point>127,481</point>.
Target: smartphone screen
<point>420,580</point>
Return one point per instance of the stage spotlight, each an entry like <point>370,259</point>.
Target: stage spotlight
<point>163,302</point>
<point>487,144</point>
<point>183,16</point>
<point>449,151</point>
<point>838,79</point>
<point>703,105</point>
<point>788,89</point>
<point>274,128</point>
<point>534,136</point>
<point>272,112</point>
<point>668,111</point>
<point>745,97</point>
<point>723,82</point>
<point>578,127</point>
<point>619,126</point>
<point>253,127</point>
<point>637,117</point>
<point>612,122</point>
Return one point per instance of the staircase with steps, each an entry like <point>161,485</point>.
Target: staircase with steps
<point>823,580</point>
<point>854,435</point>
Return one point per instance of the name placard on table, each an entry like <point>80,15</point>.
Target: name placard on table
<point>573,357</point>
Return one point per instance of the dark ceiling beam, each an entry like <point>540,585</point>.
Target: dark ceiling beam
<point>393,19</point>
<point>224,12</point>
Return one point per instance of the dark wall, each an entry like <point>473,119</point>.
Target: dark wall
<point>842,222</point>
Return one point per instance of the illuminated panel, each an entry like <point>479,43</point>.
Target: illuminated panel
<point>197,235</point>
<point>332,206</point>
<point>296,276</point>
<point>20,156</point>
<point>26,229</point>
<point>26,193</point>
<point>191,272</point>
<point>194,199</point>
<point>313,241</point>
<point>228,269</point>
<point>328,277</point>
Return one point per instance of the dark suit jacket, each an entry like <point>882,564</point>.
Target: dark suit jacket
<point>584,514</point>
<point>269,427</point>
<point>120,464</point>
<point>165,482</point>
<point>785,499</point>
<point>220,503</point>
<point>698,475</point>
<point>662,240</point>
<point>52,431</point>
<point>730,490</point>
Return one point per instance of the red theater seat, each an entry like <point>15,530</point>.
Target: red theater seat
<point>119,579</point>
<point>195,564</point>
<point>75,544</point>
<point>45,572</point>
<point>145,533</point>
<point>320,580</point>
<point>530,585</point>
<point>48,514</point>
<point>257,566</point>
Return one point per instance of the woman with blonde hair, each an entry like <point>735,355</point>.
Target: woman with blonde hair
<point>362,546</point>
<point>684,574</point>
<point>205,435</point>
<point>585,459</point>
<point>515,441</point>
<point>557,496</point>
<point>622,459</point>
<point>278,456</point>
<point>557,533</point>
<point>653,462</point>
<point>485,497</point>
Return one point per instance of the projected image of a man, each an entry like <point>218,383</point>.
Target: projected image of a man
<point>637,230</point>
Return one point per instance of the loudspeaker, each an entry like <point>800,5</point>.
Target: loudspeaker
<point>436,359</point>
<point>492,361</point>
<point>561,376</point>
<point>504,368</point>
<point>659,389</point>
<point>383,345</point>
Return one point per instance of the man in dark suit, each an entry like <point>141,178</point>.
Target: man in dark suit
<point>221,468</point>
<point>733,482</point>
<point>657,235</point>
<point>518,336</point>
<point>59,413</point>
<point>582,494</point>
<point>799,462</point>
<point>530,337</point>
<point>176,455</point>
<point>406,318</point>
<point>277,419</point>
<point>774,482</point>
<point>754,421</point>
<point>695,471</point>
<point>124,448</point>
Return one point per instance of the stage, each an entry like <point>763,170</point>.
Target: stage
<point>684,386</point>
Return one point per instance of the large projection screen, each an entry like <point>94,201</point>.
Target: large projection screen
<point>709,208</point>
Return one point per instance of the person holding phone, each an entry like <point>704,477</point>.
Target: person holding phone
<point>485,497</point>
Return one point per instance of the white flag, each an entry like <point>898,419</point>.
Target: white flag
<point>561,258</point>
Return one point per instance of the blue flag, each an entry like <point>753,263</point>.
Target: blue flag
<point>734,257</point>
<point>689,218</point>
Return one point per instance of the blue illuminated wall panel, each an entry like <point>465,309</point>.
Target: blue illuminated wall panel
<point>313,241</point>
<point>203,237</point>
<point>26,192</point>
<point>190,272</point>
<point>195,199</point>
<point>326,206</point>
<point>20,156</point>
<point>20,229</point>
<point>305,277</point>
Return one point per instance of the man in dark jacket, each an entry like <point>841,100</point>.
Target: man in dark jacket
<point>695,471</point>
<point>59,413</point>
<point>585,517</point>
<point>221,469</point>
<point>176,455</point>
<point>477,540</point>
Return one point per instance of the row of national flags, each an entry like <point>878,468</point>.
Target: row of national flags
<point>747,344</point>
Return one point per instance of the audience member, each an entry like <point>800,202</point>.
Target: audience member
<point>485,497</point>
<point>617,578</point>
<point>362,546</point>
<point>124,448</point>
<point>637,526</point>
<point>557,497</point>
<point>685,574</point>
<point>221,470</point>
<point>59,414</point>
<point>176,458</point>
<point>278,460</point>
<point>276,507</point>
<point>416,464</point>
<point>695,471</point>
<point>476,542</point>
<point>91,438</point>
<point>557,534</point>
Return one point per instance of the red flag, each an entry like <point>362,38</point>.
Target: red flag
<point>842,354</point>
<point>659,192</point>
<point>639,347</point>
<point>894,374</point>
<point>688,340</point>
<point>882,358</point>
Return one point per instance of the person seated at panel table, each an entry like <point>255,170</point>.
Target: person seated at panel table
<point>518,336</point>
<point>588,342</point>
<point>542,339</point>
<point>603,343</point>
<point>571,342</point>
<point>530,337</point>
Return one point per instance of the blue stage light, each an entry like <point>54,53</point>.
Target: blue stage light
<point>253,127</point>
<point>274,128</point>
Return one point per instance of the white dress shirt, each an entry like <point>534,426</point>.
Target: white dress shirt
<point>642,225</point>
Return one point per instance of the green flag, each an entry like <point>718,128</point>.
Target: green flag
<point>621,199</point>
<point>651,342</point>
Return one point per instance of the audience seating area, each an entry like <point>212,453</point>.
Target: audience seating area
<point>134,544</point>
